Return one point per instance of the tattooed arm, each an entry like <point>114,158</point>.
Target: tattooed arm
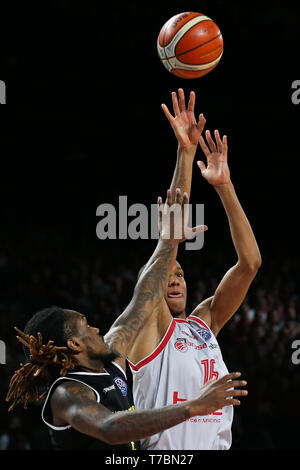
<point>187,130</point>
<point>73,403</point>
<point>148,291</point>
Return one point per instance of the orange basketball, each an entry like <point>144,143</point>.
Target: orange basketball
<point>190,45</point>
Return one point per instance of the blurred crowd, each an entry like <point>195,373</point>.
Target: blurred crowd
<point>97,278</point>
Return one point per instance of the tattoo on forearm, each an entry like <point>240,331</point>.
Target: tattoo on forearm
<point>93,419</point>
<point>149,289</point>
<point>127,426</point>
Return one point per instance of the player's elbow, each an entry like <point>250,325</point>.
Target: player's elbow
<point>251,265</point>
<point>256,263</point>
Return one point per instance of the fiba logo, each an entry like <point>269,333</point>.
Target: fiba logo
<point>122,385</point>
<point>180,345</point>
<point>178,18</point>
<point>2,92</point>
<point>204,333</point>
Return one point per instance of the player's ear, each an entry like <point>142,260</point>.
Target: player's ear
<point>74,344</point>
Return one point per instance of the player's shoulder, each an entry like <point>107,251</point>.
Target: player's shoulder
<point>71,391</point>
<point>203,311</point>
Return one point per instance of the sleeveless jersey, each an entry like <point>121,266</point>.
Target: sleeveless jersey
<point>111,390</point>
<point>186,358</point>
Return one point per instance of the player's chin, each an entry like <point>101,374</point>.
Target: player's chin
<point>176,306</point>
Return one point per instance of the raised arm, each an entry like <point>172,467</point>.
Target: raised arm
<point>75,404</point>
<point>151,315</point>
<point>150,287</point>
<point>147,294</point>
<point>231,291</point>
<point>187,132</point>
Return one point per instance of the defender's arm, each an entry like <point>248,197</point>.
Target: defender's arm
<point>73,403</point>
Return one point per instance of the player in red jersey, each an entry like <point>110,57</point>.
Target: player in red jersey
<point>154,366</point>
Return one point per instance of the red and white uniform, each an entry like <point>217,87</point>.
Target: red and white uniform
<point>186,358</point>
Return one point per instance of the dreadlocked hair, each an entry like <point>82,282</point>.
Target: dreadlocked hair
<point>45,361</point>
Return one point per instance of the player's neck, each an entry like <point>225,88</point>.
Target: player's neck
<point>91,369</point>
<point>97,362</point>
<point>92,366</point>
<point>179,315</point>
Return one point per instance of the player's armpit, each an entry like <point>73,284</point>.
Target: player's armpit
<point>217,310</point>
<point>203,311</point>
<point>151,333</point>
<point>229,294</point>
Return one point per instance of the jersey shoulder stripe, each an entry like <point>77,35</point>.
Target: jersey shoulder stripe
<point>157,350</point>
<point>198,320</point>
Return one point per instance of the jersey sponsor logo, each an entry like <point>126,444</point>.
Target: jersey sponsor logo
<point>197,346</point>
<point>204,333</point>
<point>108,389</point>
<point>187,334</point>
<point>205,420</point>
<point>132,408</point>
<point>122,385</point>
<point>180,345</point>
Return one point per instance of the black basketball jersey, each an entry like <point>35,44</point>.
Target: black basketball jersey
<point>112,390</point>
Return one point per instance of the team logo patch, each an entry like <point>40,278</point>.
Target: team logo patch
<point>204,333</point>
<point>180,345</point>
<point>122,385</point>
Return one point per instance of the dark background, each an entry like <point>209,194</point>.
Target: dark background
<point>83,125</point>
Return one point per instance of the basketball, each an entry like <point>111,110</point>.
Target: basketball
<point>190,45</point>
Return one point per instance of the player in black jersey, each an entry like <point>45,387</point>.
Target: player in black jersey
<point>88,401</point>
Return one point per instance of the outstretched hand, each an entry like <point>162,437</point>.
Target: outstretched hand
<point>187,130</point>
<point>217,171</point>
<point>216,394</point>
